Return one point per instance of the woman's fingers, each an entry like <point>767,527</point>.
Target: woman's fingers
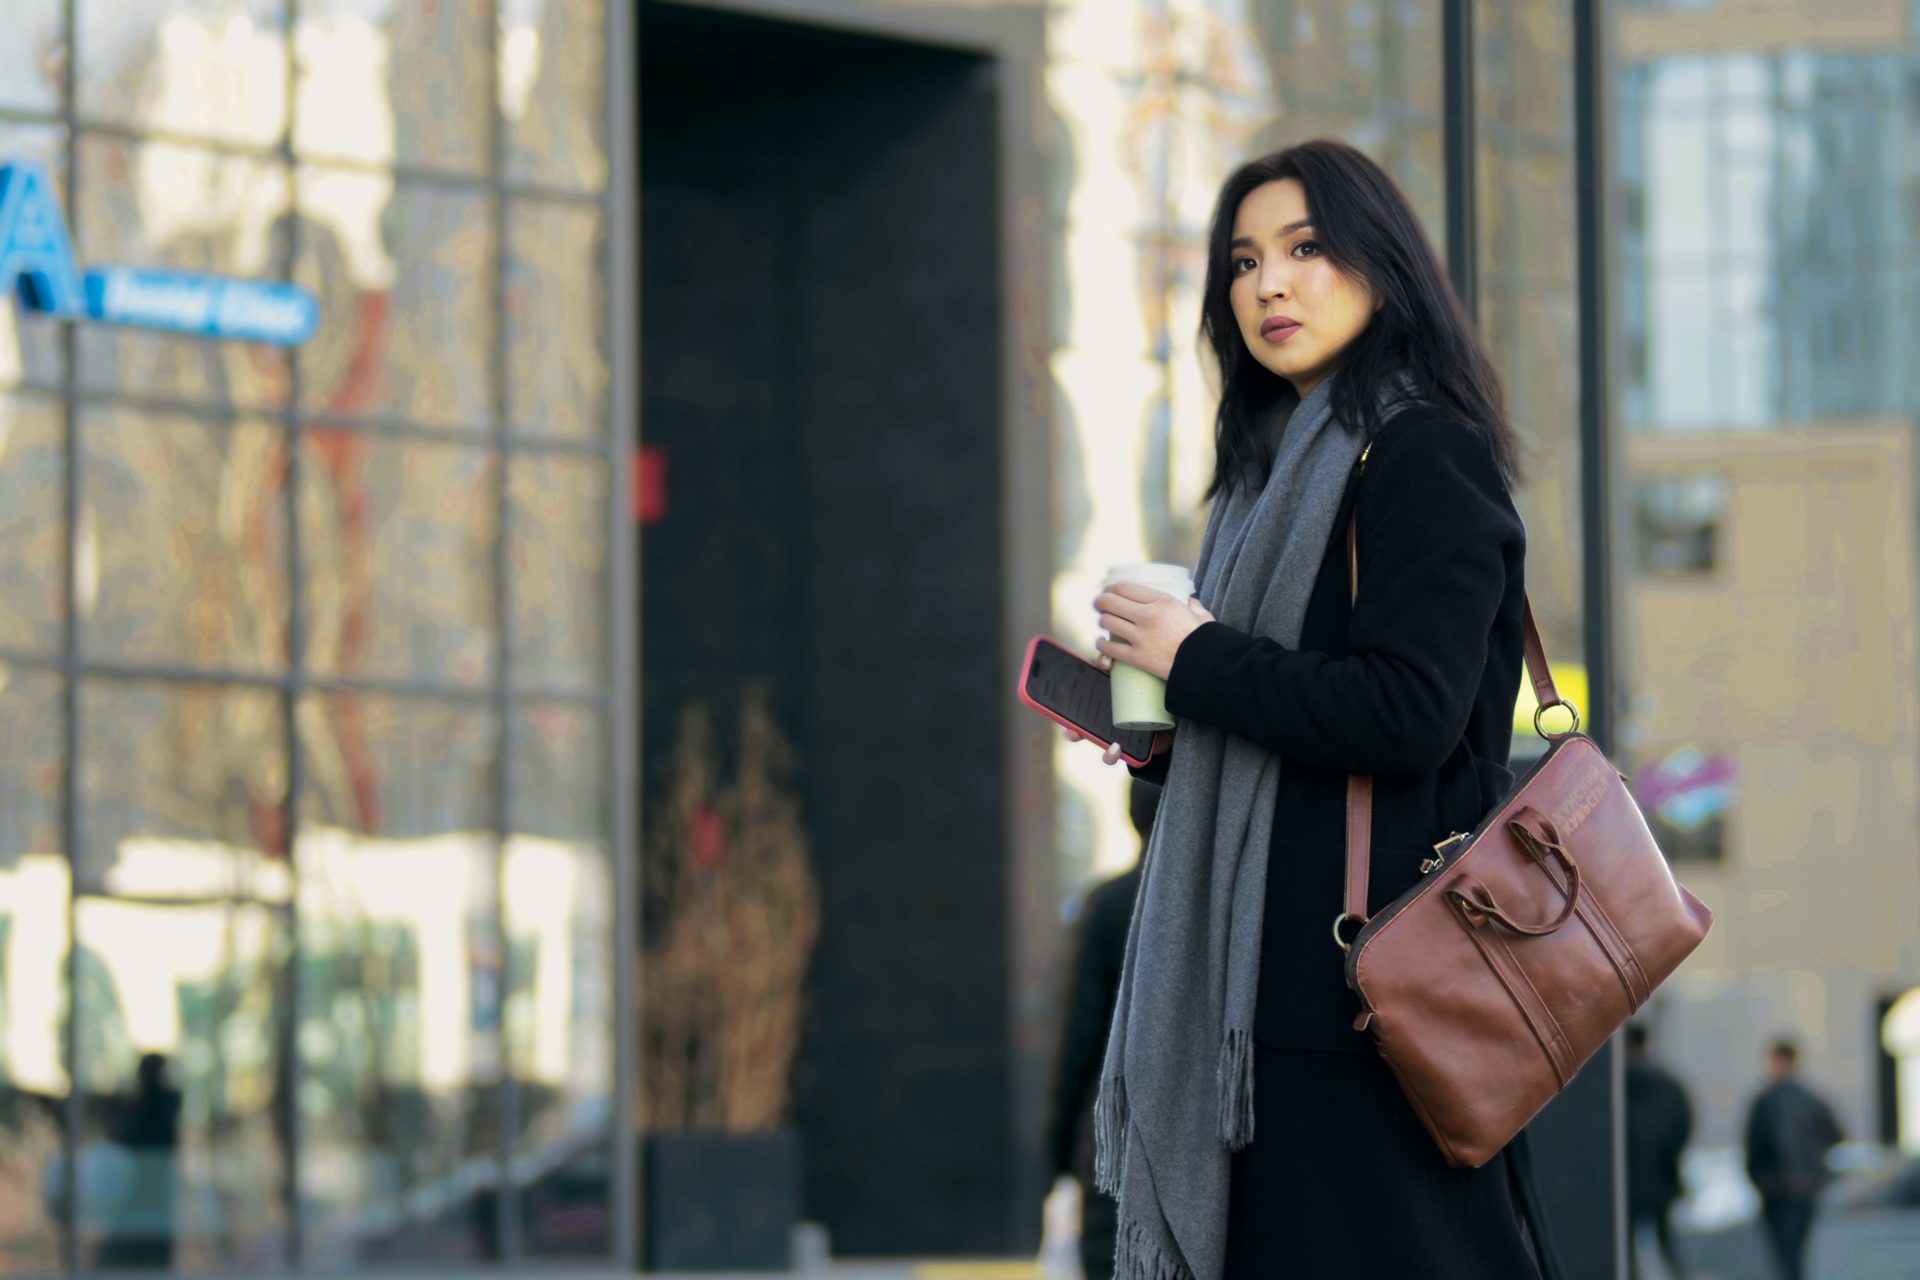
<point>1112,754</point>
<point>1124,601</point>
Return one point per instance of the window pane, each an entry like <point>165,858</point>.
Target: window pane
<point>398,543</point>
<point>416,76</point>
<point>559,582</point>
<point>1680,329</point>
<point>1370,74</point>
<point>559,1015</point>
<point>32,522</point>
<point>1528,304</point>
<point>553,92</point>
<point>30,352</point>
<point>404,277</point>
<point>183,788</point>
<point>33,56</point>
<point>401,969</point>
<point>182,540</point>
<point>159,204</point>
<point>184,1154</point>
<point>556,319</point>
<point>34,887</point>
<point>216,69</point>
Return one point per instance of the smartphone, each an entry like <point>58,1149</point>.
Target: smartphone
<point>1072,692</point>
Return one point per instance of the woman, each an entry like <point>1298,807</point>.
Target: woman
<point>1352,381</point>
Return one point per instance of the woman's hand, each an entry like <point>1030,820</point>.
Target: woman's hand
<point>1162,743</point>
<point>1110,756</point>
<point>1145,627</point>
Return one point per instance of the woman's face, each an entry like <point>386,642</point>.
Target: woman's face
<point>1297,312</point>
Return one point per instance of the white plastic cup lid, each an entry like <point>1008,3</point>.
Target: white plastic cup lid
<point>1174,579</point>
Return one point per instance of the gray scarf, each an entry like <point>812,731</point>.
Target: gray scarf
<point>1187,987</point>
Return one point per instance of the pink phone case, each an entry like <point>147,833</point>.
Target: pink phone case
<point>1020,691</point>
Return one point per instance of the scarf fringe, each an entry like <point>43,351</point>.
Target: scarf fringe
<point>1236,1090</point>
<point>1109,1135</point>
<point>1137,1256</point>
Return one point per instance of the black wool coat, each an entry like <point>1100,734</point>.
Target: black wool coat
<point>1415,686</point>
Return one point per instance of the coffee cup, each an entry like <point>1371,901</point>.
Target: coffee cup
<point>1140,697</point>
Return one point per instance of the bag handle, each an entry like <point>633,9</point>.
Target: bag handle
<point>1360,789</point>
<point>1540,848</point>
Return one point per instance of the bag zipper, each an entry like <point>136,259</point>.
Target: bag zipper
<point>1439,859</point>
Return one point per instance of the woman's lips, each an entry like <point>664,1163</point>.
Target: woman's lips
<point>1278,330</point>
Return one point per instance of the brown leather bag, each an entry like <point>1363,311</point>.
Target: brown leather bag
<point>1526,943</point>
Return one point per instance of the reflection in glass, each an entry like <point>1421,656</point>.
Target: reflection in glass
<point>34,888</point>
<point>403,273</point>
<point>559,570</point>
<point>386,81</point>
<point>1528,305</point>
<point>32,538</point>
<point>159,204</point>
<point>183,790</point>
<point>182,540</point>
<point>30,351</point>
<point>556,319</point>
<point>33,57</point>
<point>398,539</point>
<point>553,92</point>
<point>183,1161</point>
<point>559,1015</point>
<point>559,1012</point>
<point>400,981</point>
<point>215,70</point>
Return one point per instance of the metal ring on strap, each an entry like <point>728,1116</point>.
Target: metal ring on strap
<point>1341,919</point>
<point>1539,712</point>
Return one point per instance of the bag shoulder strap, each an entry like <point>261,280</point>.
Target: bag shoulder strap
<point>1360,789</point>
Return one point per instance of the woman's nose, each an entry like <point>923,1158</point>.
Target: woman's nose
<point>1273,283</point>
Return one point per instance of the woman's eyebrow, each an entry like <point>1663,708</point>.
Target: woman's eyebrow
<point>1246,242</point>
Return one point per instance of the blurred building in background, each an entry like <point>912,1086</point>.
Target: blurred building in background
<point>536,759</point>
<point>1770,349</point>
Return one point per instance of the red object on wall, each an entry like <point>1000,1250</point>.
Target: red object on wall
<point>649,486</point>
<point>709,837</point>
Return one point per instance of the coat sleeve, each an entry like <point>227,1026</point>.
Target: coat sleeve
<point>1435,527</point>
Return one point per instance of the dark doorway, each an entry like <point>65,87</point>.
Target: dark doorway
<point>820,371</point>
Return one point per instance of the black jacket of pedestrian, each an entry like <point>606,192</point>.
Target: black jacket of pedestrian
<point>1415,686</point>
<point>1100,944</point>
<point>1789,1132</point>
<point>1659,1126</point>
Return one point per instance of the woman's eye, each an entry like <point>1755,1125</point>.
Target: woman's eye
<point>1306,248</point>
<point>1243,265</point>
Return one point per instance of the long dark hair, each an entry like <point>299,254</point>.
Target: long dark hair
<point>1364,225</point>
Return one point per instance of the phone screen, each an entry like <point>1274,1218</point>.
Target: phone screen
<point>1081,694</point>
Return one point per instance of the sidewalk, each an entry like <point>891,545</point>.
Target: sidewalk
<point>902,1269</point>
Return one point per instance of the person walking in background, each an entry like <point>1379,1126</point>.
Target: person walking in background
<point>1659,1124</point>
<point>1789,1132</point>
<point>1100,945</point>
<point>149,1128</point>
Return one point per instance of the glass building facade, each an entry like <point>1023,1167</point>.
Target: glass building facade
<point>306,911</point>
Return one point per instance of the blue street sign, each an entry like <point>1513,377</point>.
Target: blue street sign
<point>37,267</point>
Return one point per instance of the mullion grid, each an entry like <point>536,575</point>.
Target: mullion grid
<point>504,442</point>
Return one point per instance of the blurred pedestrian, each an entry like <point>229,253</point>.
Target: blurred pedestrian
<point>1099,947</point>
<point>141,1233</point>
<point>1659,1125</point>
<point>1352,385</point>
<point>1790,1130</point>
